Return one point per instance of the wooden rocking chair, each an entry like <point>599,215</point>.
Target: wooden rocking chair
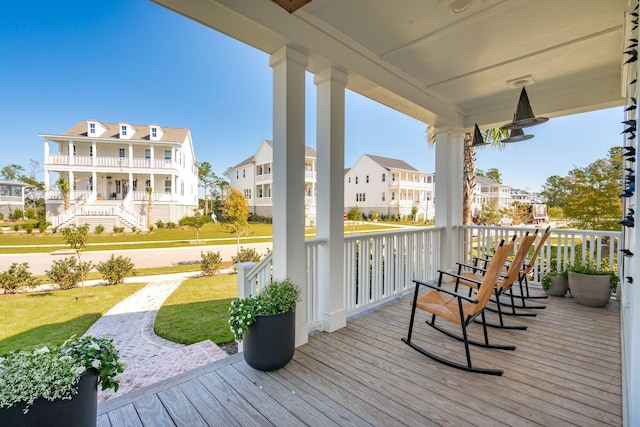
<point>505,282</point>
<point>460,309</point>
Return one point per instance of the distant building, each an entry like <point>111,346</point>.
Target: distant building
<point>114,168</point>
<point>11,197</point>
<point>487,191</point>
<point>253,177</point>
<point>389,186</point>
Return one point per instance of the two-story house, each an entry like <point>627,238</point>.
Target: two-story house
<point>390,187</point>
<point>119,174</point>
<point>253,177</point>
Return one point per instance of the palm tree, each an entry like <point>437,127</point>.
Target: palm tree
<point>491,136</point>
<point>65,188</point>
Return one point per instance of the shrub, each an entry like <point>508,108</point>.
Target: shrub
<point>16,277</point>
<point>29,213</point>
<point>66,272</point>
<point>1,217</point>
<point>246,255</point>
<point>42,226</point>
<point>17,214</point>
<point>159,223</point>
<point>134,228</point>
<point>99,228</point>
<point>260,219</point>
<point>54,230</point>
<point>150,227</point>
<point>211,262</point>
<point>171,225</point>
<point>189,221</point>
<point>114,270</point>
<point>16,227</point>
<point>117,229</point>
<point>28,227</point>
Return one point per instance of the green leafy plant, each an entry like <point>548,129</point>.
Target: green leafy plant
<point>99,228</point>
<point>211,262</point>
<point>16,277</point>
<point>159,223</point>
<point>246,255</point>
<point>591,267</point>
<point>546,279</point>
<point>278,297</point>
<point>117,229</point>
<point>115,269</point>
<point>67,272</point>
<point>53,372</point>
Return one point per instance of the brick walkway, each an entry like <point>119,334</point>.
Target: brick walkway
<point>147,357</point>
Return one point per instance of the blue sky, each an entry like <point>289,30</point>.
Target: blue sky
<point>134,61</point>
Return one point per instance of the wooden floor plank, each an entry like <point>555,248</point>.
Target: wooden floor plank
<point>180,408</point>
<point>565,371</point>
<point>151,412</point>
<point>103,421</point>
<point>288,398</point>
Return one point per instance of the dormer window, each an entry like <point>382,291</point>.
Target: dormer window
<point>154,132</point>
<point>123,130</point>
<point>92,128</point>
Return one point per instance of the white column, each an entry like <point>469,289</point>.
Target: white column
<point>152,162</point>
<point>288,175</point>
<point>70,148</point>
<point>94,150</point>
<point>330,85</point>
<point>46,151</point>
<point>448,193</point>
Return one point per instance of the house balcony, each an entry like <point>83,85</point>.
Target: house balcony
<point>566,369</point>
<point>265,177</point>
<point>111,162</point>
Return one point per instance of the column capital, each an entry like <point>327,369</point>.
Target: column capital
<point>289,54</point>
<point>334,74</point>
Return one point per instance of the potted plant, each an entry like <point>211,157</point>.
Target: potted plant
<point>57,385</point>
<point>556,283</point>
<point>590,284</point>
<point>266,325</point>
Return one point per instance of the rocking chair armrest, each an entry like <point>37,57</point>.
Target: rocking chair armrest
<point>471,266</point>
<point>446,291</point>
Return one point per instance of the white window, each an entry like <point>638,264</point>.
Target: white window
<point>349,180</point>
<point>154,133</point>
<point>247,193</point>
<point>92,128</point>
<point>356,179</point>
<point>393,177</point>
<point>121,152</point>
<point>360,197</point>
<point>74,149</point>
<point>383,196</point>
<point>366,178</point>
<point>91,151</point>
<point>237,174</point>
<point>135,185</point>
<point>167,154</point>
<point>147,154</point>
<point>244,175</point>
<point>147,183</point>
<point>167,186</point>
<point>384,177</point>
<point>123,130</point>
<point>393,195</point>
<point>181,187</point>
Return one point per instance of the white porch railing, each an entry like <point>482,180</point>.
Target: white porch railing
<point>563,247</point>
<point>125,214</point>
<point>377,267</point>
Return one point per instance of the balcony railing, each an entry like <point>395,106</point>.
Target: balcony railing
<point>563,247</point>
<point>263,177</point>
<point>111,161</point>
<point>377,267</point>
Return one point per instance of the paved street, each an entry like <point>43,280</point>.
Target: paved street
<point>141,258</point>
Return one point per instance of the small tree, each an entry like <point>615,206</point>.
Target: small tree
<point>16,277</point>
<point>236,212</point>
<point>67,272</point>
<point>198,222</point>
<point>76,237</point>
<point>149,206</point>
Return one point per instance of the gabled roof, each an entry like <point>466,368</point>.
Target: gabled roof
<point>483,180</point>
<point>308,151</point>
<point>391,164</point>
<point>142,132</point>
<point>245,162</point>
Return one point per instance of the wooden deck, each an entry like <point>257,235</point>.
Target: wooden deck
<point>565,371</point>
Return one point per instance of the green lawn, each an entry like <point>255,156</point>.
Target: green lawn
<point>198,310</point>
<point>35,319</point>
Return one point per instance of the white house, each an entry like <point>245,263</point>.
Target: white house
<point>114,169</point>
<point>388,186</point>
<point>11,197</point>
<point>487,191</point>
<point>253,177</point>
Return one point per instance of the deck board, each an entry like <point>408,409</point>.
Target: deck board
<point>565,371</point>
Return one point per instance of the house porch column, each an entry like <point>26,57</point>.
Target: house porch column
<point>330,108</point>
<point>289,259</point>
<point>448,193</point>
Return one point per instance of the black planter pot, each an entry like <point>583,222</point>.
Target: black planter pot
<point>80,411</point>
<point>270,342</point>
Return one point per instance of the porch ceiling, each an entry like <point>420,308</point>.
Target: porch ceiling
<point>440,67</point>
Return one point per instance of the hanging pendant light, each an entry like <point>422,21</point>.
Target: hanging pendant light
<point>524,116</point>
<point>478,140</point>
<point>517,135</point>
